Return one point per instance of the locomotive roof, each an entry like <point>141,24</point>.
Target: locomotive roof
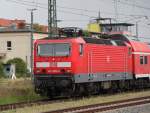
<point>120,37</point>
<point>123,37</point>
<point>104,41</point>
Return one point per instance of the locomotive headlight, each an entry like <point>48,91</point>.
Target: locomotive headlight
<point>42,64</point>
<point>38,71</point>
<point>63,64</point>
<point>69,71</point>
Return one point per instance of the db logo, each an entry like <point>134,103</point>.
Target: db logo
<point>108,59</point>
<point>53,64</point>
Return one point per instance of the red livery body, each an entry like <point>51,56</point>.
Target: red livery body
<point>60,64</point>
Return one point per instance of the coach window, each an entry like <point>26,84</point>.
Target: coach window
<point>141,60</point>
<point>145,60</point>
<point>9,45</point>
<point>81,49</point>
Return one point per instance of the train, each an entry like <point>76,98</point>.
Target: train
<point>76,65</point>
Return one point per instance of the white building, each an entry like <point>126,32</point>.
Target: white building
<point>17,44</point>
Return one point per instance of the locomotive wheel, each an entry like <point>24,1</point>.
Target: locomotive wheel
<point>92,88</point>
<point>78,90</point>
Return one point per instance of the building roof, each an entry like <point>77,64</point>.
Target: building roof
<point>20,31</point>
<point>117,24</point>
<point>7,22</point>
<point>15,31</point>
<point>11,25</point>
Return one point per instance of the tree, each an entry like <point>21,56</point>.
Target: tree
<point>86,33</point>
<point>37,27</point>
<point>1,70</point>
<point>21,66</point>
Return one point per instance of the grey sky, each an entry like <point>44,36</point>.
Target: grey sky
<point>80,18</point>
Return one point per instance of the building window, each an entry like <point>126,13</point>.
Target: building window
<point>9,45</point>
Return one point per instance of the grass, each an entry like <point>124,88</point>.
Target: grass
<point>13,91</point>
<point>81,102</point>
<point>21,90</point>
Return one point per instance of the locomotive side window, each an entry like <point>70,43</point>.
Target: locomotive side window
<point>81,49</point>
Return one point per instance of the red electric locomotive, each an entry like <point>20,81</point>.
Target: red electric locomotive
<point>77,65</point>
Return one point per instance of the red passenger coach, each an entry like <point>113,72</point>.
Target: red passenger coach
<point>141,56</point>
<point>76,64</point>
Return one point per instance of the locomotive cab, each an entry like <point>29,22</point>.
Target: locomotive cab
<point>54,65</point>
<point>57,56</point>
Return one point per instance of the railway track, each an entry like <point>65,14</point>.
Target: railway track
<point>35,103</point>
<point>21,105</point>
<point>105,106</point>
<point>29,104</point>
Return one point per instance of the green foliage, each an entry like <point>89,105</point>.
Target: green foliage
<point>1,70</point>
<point>37,28</point>
<point>21,67</point>
<point>86,33</point>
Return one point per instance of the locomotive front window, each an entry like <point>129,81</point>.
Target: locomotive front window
<point>61,49</point>
<point>45,50</point>
<point>54,49</point>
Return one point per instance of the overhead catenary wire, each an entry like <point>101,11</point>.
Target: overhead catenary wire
<point>116,9</point>
<point>42,6</point>
<point>120,1</point>
<point>132,4</point>
<point>135,5</point>
<point>136,18</point>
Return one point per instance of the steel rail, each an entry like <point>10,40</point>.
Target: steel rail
<point>30,104</point>
<point>21,105</point>
<point>105,106</point>
<point>59,99</point>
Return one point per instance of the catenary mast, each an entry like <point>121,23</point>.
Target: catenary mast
<point>52,18</point>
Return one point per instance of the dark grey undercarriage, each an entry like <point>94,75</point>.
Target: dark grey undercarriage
<point>67,85</point>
